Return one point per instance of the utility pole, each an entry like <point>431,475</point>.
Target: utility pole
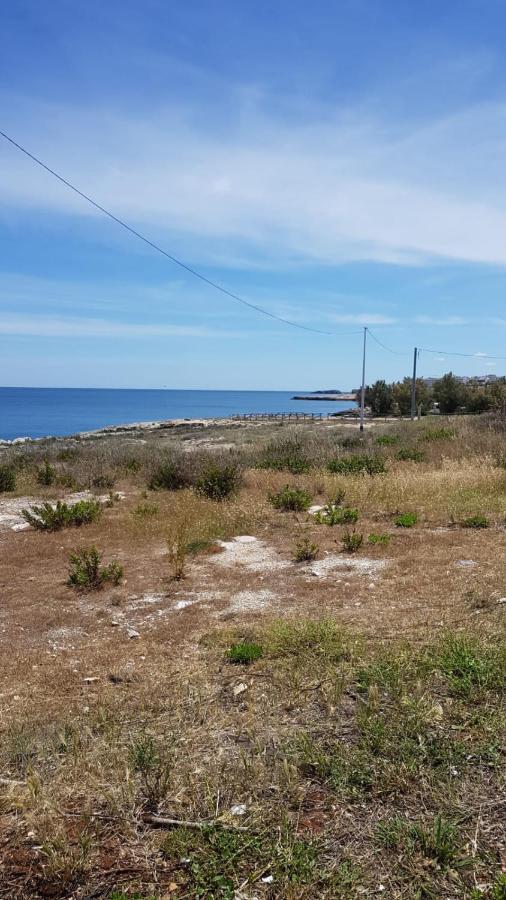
<point>362,392</point>
<point>413,386</point>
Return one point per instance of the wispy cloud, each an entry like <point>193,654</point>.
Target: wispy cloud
<point>362,319</point>
<point>75,327</point>
<point>344,187</point>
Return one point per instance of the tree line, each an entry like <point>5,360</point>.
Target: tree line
<point>448,394</point>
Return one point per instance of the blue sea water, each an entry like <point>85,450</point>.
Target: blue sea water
<point>37,412</point>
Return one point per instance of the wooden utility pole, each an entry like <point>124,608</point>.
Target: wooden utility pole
<point>362,392</point>
<point>413,386</point>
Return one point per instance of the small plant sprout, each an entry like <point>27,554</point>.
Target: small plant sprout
<point>291,499</point>
<point>406,520</point>
<point>86,572</point>
<point>244,653</point>
<point>381,539</point>
<point>305,550</point>
<point>352,540</point>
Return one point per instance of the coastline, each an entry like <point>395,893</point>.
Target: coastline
<point>346,417</point>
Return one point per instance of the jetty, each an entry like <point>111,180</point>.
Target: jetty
<point>352,396</point>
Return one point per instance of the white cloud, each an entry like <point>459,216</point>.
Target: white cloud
<point>74,327</point>
<point>442,320</point>
<point>362,319</point>
<point>267,191</point>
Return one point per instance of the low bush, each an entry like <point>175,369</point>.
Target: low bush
<point>352,541</point>
<point>406,520</point>
<point>46,474</point>
<point>383,539</point>
<point>170,475</point>
<point>305,550</point>
<point>218,482</point>
<point>410,454</point>
<point>244,653</point>
<point>7,479</point>
<point>476,522</point>
<point>145,510</point>
<point>438,434</point>
<point>103,482</point>
<point>387,440</point>
<point>86,570</point>
<point>51,518</point>
<point>337,515</point>
<point>366,464</point>
<point>291,499</point>
<point>287,454</point>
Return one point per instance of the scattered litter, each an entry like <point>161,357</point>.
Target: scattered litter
<point>502,600</point>
<point>267,879</point>
<point>238,690</point>
<point>465,563</point>
<point>315,509</point>
<point>240,809</point>
<point>132,633</point>
<point>91,679</point>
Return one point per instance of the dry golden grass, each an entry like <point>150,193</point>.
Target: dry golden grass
<point>366,744</point>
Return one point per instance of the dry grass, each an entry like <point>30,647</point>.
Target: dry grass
<point>363,750</point>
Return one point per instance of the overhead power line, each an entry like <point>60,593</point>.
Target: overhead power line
<point>170,256</point>
<point>384,346</point>
<point>476,356</point>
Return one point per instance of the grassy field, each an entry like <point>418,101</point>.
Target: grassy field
<point>313,710</point>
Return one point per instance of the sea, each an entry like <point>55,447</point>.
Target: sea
<point>40,412</point>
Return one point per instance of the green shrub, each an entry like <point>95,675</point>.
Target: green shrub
<point>387,440</point>
<point>170,475</point>
<point>145,510</point>
<point>218,482</point>
<point>244,653</point>
<point>133,466</point>
<point>367,464</point>
<point>409,454</point>
<point>352,541</point>
<point>46,474</point>
<point>285,455</point>
<point>438,434</point>
<point>7,479</point>
<point>291,498</point>
<point>51,518</point>
<point>336,515</point>
<point>86,572</point>
<point>305,550</point>
<point>383,539</point>
<point>476,522</point>
<point>103,482</point>
<point>406,520</point>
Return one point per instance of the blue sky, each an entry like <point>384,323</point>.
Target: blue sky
<point>340,164</point>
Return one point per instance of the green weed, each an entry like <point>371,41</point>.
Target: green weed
<point>86,571</point>
<point>291,499</point>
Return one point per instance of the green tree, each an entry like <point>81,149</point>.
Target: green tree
<point>379,397</point>
<point>401,391</point>
<point>450,393</point>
